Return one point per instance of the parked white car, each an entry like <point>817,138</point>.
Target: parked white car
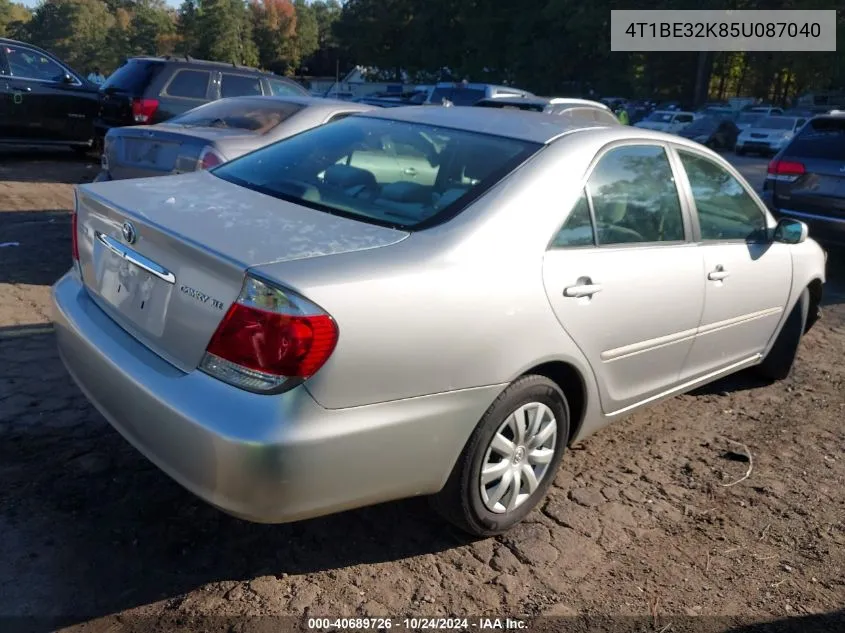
<point>666,121</point>
<point>768,135</point>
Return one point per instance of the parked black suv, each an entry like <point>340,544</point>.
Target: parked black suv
<point>806,179</point>
<point>147,90</point>
<point>42,100</point>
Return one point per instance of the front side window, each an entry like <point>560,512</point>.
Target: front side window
<point>239,85</point>
<point>189,84</point>
<point>634,197</point>
<point>725,209</point>
<point>358,167</point>
<point>29,64</point>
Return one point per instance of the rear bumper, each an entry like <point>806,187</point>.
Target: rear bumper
<point>269,459</point>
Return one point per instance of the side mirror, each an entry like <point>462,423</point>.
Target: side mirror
<point>790,231</point>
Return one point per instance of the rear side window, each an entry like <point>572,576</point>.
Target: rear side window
<point>458,96</point>
<point>239,85</point>
<point>634,197</point>
<point>133,77</point>
<point>820,138</point>
<point>188,84</point>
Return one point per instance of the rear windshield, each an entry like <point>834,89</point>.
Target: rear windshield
<point>776,123</point>
<point>133,77</point>
<point>254,115</point>
<point>660,117</point>
<point>820,138</point>
<point>458,96</point>
<point>384,172</point>
<point>510,105</point>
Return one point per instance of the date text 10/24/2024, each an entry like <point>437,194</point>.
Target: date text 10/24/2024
<point>416,624</point>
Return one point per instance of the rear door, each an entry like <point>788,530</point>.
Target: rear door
<point>747,277</point>
<point>623,278</point>
<point>816,184</point>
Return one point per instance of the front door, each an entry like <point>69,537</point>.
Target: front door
<point>747,277</point>
<point>623,279</point>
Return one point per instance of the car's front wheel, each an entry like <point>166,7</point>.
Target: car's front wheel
<point>778,363</point>
<point>510,460</point>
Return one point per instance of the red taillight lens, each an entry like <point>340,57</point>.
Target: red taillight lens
<point>786,168</point>
<point>74,238</point>
<point>209,158</point>
<point>268,337</point>
<point>143,110</point>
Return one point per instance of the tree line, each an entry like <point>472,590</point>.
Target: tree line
<point>553,47</point>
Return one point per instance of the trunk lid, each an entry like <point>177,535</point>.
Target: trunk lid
<point>141,151</point>
<point>166,257</point>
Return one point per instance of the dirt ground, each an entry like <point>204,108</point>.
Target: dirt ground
<point>640,521</point>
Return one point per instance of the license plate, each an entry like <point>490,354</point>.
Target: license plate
<point>144,152</point>
<point>138,296</point>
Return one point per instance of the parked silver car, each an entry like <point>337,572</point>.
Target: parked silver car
<point>309,328</point>
<point>214,133</point>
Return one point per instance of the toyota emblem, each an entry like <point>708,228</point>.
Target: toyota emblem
<point>129,234</point>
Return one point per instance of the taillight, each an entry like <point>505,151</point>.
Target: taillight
<point>787,170</point>
<point>270,340</point>
<point>74,227</point>
<point>74,239</point>
<point>209,158</point>
<point>143,110</point>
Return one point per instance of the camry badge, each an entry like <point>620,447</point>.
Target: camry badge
<point>129,234</point>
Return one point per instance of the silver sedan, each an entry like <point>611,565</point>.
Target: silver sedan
<point>421,301</point>
<point>213,133</point>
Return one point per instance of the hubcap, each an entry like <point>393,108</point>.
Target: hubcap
<point>518,457</point>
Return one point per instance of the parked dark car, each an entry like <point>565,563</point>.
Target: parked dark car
<point>570,108</point>
<point>148,90</point>
<point>713,131</point>
<point>44,101</point>
<point>806,179</point>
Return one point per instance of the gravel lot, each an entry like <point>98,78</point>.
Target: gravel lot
<point>638,523</point>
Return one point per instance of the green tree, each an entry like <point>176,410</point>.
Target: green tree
<point>225,32</point>
<point>12,17</point>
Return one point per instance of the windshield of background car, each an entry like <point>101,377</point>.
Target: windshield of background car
<point>749,118</point>
<point>385,172</point>
<point>776,123</point>
<point>254,115</point>
<point>820,138</point>
<point>133,77</point>
<point>660,117</point>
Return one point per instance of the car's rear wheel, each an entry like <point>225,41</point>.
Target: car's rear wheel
<point>780,360</point>
<point>509,461</point>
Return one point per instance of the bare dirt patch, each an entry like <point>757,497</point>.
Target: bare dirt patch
<point>639,522</point>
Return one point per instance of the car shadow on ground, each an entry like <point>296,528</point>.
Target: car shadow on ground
<point>35,246</point>
<point>90,527</point>
<point>51,165</point>
<point>817,623</point>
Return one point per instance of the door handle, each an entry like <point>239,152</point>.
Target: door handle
<point>24,89</point>
<point>719,274</point>
<point>410,171</point>
<point>583,288</point>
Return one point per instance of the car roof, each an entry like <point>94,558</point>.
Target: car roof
<point>172,59</point>
<point>534,127</point>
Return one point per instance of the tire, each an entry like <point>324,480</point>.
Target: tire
<point>780,360</point>
<point>462,502</point>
